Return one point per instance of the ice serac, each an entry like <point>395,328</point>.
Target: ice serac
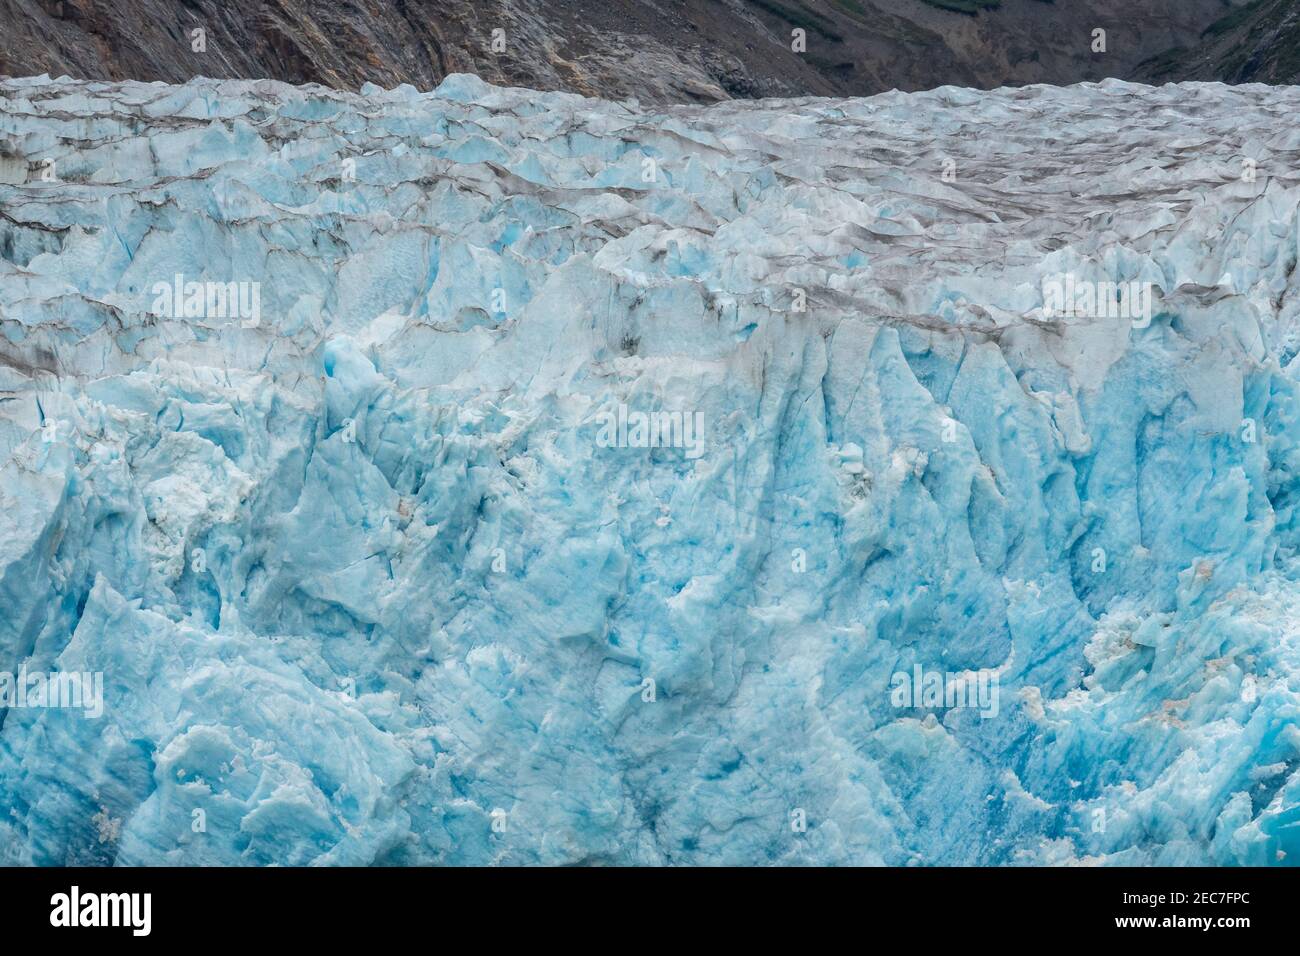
<point>370,579</point>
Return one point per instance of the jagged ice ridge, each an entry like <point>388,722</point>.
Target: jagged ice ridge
<point>362,581</point>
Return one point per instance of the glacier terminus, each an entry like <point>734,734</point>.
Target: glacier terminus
<point>485,476</point>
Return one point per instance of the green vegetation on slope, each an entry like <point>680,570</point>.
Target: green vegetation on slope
<point>965,6</point>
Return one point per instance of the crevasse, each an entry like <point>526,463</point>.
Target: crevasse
<point>366,585</point>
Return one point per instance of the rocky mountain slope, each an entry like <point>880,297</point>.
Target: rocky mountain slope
<point>653,50</point>
<point>1257,43</point>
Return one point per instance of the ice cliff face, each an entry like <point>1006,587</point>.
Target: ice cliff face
<point>376,565</point>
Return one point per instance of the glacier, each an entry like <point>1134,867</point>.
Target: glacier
<point>345,437</point>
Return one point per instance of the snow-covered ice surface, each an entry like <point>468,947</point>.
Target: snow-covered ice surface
<point>366,584</point>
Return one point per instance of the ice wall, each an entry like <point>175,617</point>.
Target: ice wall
<point>376,568</point>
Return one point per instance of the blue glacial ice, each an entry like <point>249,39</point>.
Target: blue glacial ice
<point>370,578</point>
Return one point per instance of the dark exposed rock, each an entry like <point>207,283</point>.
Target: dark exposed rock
<point>1255,43</point>
<point>653,50</point>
